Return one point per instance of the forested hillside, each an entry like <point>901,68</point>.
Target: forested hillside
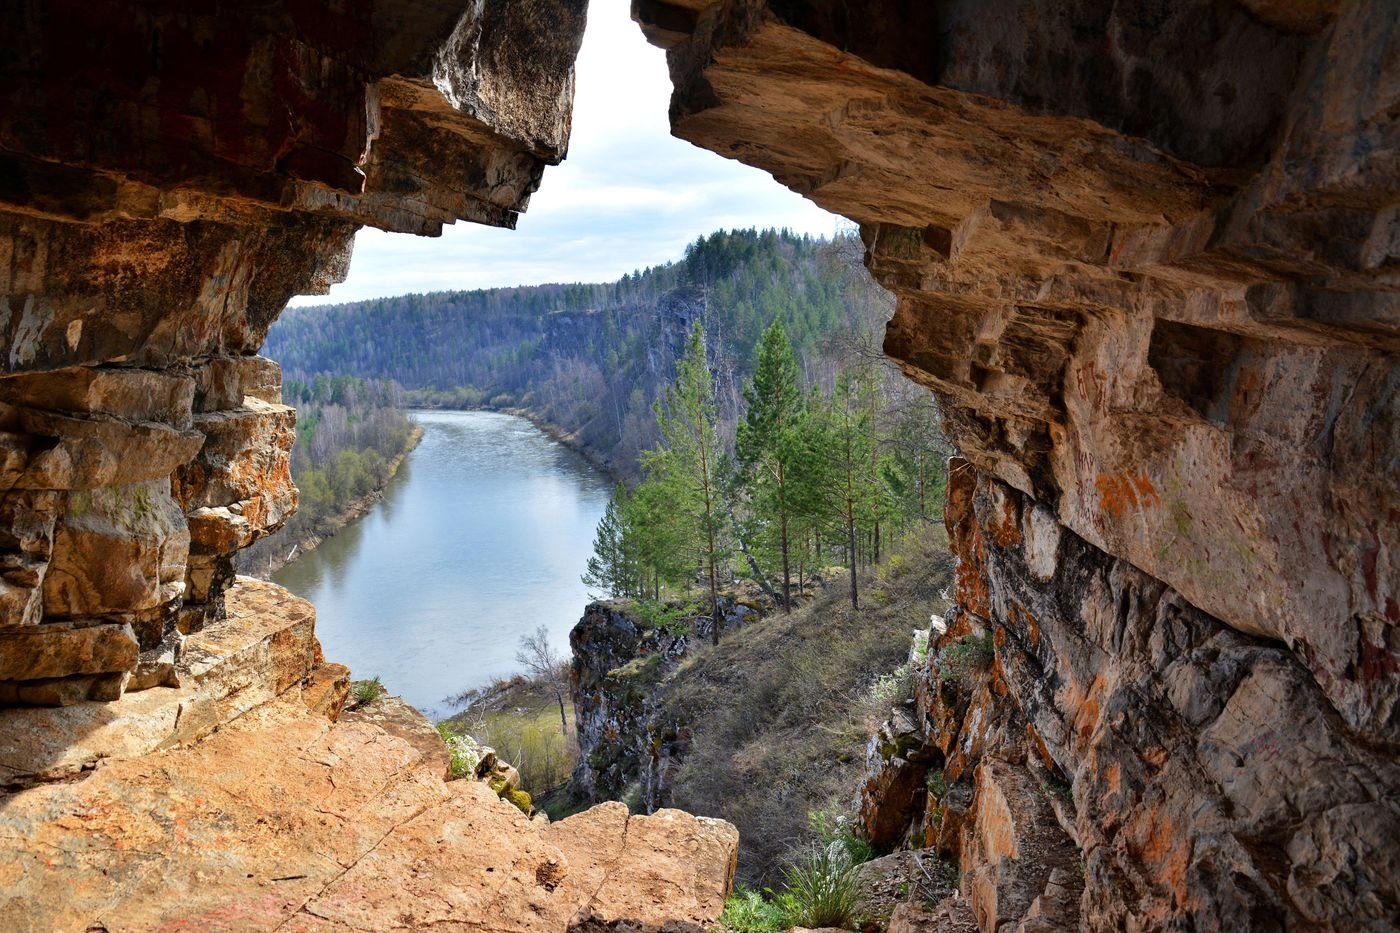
<point>350,434</point>
<point>593,359</point>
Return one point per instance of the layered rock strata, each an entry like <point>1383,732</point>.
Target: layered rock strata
<point>1146,257</point>
<point>169,178</point>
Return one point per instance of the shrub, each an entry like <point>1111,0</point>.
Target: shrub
<point>832,827</point>
<point>366,691</point>
<point>967,654</point>
<point>747,911</point>
<point>824,888</point>
<point>465,752</point>
<point>893,688</point>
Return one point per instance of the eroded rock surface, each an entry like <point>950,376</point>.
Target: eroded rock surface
<point>244,800</point>
<point>284,820</point>
<point>169,178</point>
<point>1146,257</point>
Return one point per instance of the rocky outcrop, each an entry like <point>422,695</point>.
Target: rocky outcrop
<point>619,661</point>
<point>171,178</point>
<point>170,175</point>
<point>286,821</point>
<point>1119,757</point>
<point>247,801</point>
<point>264,646</point>
<point>1145,256</point>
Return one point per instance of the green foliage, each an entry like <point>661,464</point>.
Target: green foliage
<point>832,826</point>
<point>893,688</point>
<point>777,473</point>
<point>465,752</point>
<point>747,911</point>
<point>674,617</point>
<point>519,718</point>
<point>685,468</point>
<point>366,691</point>
<point>592,358</point>
<point>1054,787</point>
<point>521,799</point>
<point>821,885</point>
<point>824,887</point>
<point>615,568</point>
<point>965,656</point>
<point>349,432</point>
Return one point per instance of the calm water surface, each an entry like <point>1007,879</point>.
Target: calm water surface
<point>480,538</point>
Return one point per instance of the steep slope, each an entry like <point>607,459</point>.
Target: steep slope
<point>765,728</point>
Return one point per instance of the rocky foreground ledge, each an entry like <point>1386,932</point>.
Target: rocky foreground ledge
<point>285,815</point>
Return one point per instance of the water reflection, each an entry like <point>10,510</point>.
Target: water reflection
<point>479,539</point>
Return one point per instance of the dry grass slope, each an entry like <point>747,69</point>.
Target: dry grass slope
<point>778,716</point>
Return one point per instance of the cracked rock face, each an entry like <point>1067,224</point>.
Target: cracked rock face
<point>285,821</point>
<point>171,177</point>
<point>1146,257</point>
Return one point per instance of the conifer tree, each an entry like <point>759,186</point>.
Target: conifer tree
<point>850,488</point>
<point>614,568</point>
<point>768,448</point>
<point>687,463</point>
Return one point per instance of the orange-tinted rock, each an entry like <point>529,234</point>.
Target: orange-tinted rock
<point>326,689</point>
<point>283,820</point>
<point>1013,849</point>
<point>33,652</point>
<point>118,549</point>
<point>1161,324</point>
<point>96,452</point>
<point>129,394</point>
<point>150,235</point>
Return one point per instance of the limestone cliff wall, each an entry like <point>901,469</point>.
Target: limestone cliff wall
<point>1147,258</point>
<point>169,178</point>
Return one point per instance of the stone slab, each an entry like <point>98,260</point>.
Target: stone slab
<point>265,646</point>
<point>286,821</point>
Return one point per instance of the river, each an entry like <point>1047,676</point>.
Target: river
<point>480,538</point>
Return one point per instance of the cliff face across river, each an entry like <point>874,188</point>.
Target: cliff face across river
<point>480,538</point>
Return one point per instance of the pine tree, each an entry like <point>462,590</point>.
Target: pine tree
<point>687,463</point>
<point>845,440</point>
<point>612,570</point>
<point>767,447</point>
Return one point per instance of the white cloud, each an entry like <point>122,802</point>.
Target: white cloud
<point>628,196</point>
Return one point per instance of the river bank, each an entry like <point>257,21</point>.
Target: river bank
<point>481,538</point>
<point>553,431</point>
<point>356,509</point>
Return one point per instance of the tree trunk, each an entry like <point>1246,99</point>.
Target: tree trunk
<point>851,550</point>
<point>758,575</point>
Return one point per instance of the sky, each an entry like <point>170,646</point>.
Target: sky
<point>628,196</point>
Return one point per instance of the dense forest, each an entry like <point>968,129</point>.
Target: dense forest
<point>350,434</point>
<point>593,359</point>
<point>807,477</point>
<point>754,355</point>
